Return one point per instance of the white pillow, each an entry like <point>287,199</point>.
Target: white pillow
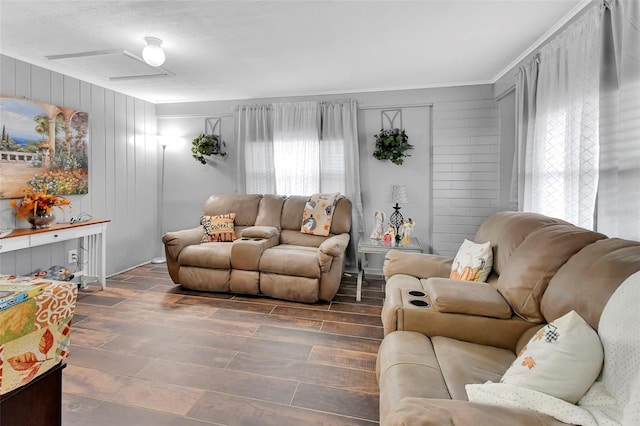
<point>563,359</point>
<point>473,262</point>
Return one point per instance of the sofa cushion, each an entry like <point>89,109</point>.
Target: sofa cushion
<point>507,230</point>
<point>297,238</point>
<point>589,278</point>
<point>207,255</point>
<point>563,359</point>
<point>287,259</point>
<point>473,262</point>
<point>218,228</point>
<point>270,211</point>
<point>465,297</point>
<point>245,207</point>
<point>525,277</point>
<point>462,363</point>
<point>438,412</point>
<point>407,366</point>
<point>292,215</point>
<point>289,287</point>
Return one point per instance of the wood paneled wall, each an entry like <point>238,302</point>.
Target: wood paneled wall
<point>123,168</point>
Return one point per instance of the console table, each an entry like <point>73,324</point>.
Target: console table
<point>368,245</point>
<point>92,255</point>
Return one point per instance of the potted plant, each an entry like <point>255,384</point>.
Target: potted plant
<point>37,207</point>
<point>206,145</point>
<point>391,145</point>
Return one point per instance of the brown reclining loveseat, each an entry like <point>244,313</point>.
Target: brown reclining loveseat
<point>271,256</point>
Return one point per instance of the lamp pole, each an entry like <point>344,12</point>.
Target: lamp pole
<point>161,259</point>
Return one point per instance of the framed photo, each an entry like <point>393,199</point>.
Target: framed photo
<point>43,147</point>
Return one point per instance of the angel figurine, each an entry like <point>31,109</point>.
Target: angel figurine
<point>378,232</point>
<point>407,229</point>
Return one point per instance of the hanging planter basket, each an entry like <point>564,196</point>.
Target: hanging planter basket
<point>391,145</point>
<point>207,145</point>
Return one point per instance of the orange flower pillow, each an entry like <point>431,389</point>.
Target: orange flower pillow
<point>218,228</point>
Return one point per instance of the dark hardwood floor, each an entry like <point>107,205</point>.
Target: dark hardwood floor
<point>146,352</point>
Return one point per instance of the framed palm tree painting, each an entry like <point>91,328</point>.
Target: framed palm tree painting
<point>43,147</point>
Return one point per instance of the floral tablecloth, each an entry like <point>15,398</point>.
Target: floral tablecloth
<point>35,325</point>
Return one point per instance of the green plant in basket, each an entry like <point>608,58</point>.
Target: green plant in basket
<point>391,145</point>
<point>206,145</point>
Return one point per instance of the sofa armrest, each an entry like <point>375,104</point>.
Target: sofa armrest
<point>174,242</point>
<point>332,247</point>
<point>259,232</point>
<point>466,297</point>
<point>425,412</point>
<point>419,265</point>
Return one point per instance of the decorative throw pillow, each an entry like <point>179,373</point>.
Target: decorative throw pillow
<point>563,359</point>
<point>218,228</point>
<point>473,262</point>
<point>318,214</point>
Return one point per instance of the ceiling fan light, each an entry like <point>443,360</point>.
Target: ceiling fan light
<point>152,52</point>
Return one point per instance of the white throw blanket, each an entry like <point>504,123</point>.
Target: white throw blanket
<point>614,399</point>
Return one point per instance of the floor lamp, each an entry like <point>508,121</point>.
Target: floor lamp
<point>163,143</point>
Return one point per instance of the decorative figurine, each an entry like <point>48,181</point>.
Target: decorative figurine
<point>390,234</point>
<point>407,229</point>
<point>378,232</point>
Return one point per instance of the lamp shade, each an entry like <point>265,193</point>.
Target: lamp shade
<point>397,194</point>
<point>152,52</point>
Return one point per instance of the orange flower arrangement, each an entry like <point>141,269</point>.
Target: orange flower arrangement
<point>38,204</point>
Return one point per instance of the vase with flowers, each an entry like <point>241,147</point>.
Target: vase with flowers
<point>37,207</point>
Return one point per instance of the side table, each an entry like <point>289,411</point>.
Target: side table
<point>367,245</point>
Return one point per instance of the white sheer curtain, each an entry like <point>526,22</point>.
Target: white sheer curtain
<point>300,149</point>
<point>564,151</point>
<point>526,81</point>
<point>619,188</point>
<point>340,163</point>
<point>296,149</point>
<point>254,138</point>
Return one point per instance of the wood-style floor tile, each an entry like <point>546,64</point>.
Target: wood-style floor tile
<point>170,351</point>
<point>112,414</point>
<point>334,400</point>
<point>327,375</point>
<point>257,386</point>
<point>147,352</point>
<point>315,338</point>
<point>253,345</point>
<point>298,312</point>
<point>231,410</point>
<point>343,358</point>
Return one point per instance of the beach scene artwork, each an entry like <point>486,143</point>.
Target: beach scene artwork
<point>43,147</point>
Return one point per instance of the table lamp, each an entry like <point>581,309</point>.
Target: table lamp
<point>397,194</point>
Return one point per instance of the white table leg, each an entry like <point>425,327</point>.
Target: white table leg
<point>103,258</point>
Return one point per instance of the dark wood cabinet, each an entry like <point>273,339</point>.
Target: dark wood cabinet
<point>39,403</point>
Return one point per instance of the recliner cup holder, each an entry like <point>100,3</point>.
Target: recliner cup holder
<point>244,239</point>
<point>421,303</point>
<point>257,239</point>
<point>417,293</point>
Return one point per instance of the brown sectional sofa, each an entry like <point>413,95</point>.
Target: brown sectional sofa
<point>270,257</point>
<point>471,332</point>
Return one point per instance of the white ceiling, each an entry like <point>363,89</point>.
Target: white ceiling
<point>255,49</point>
